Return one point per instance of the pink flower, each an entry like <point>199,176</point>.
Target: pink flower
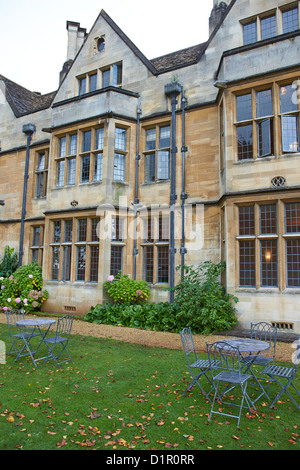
<point>25,301</point>
<point>5,309</point>
<point>110,278</point>
<point>2,287</point>
<point>18,300</point>
<point>30,276</point>
<point>139,292</point>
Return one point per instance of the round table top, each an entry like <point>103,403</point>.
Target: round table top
<point>35,322</point>
<point>247,345</point>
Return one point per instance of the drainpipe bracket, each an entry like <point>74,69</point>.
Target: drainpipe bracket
<point>136,251</point>
<point>184,149</point>
<point>138,157</point>
<point>183,251</point>
<point>173,251</point>
<point>183,196</point>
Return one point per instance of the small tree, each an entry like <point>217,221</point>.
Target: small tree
<point>9,262</point>
<point>203,303</point>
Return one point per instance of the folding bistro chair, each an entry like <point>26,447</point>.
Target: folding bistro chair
<point>264,331</point>
<point>60,340</point>
<point>197,367</point>
<point>13,316</point>
<point>229,373</point>
<point>286,374</point>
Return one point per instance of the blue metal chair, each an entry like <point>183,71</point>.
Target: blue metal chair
<point>287,374</point>
<point>60,340</point>
<point>263,331</point>
<point>13,316</point>
<point>228,373</point>
<point>197,367</point>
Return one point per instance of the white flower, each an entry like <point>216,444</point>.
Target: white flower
<point>9,300</point>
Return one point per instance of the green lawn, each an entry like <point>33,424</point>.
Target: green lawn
<point>119,396</point>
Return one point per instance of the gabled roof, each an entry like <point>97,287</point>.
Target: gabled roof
<point>23,101</point>
<point>178,59</point>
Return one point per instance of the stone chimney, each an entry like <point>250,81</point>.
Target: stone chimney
<point>217,13</point>
<point>76,37</point>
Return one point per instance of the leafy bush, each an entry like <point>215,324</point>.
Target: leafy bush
<point>9,262</point>
<point>23,289</point>
<point>124,290</point>
<point>149,316</point>
<point>202,301</point>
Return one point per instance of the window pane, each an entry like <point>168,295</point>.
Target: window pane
<point>148,258</point>
<point>41,162</point>
<point>62,147</point>
<point>57,232</point>
<point>105,78</point>
<point>290,20</point>
<point>246,220</point>
<point>163,165</point>
<point>60,174</point>
<point>93,82</point>
<point>67,263</point>
<point>94,263</point>
<point>290,133</point>
<point>35,255</point>
<point>120,138</point>
<point>250,32</point>
<point>150,167</point>
<point>36,236</point>
<point>244,107</point>
<point>119,167</point>
<point>287,103</point>
<point>82,86</point>
<point>292,217</point>
<point>163,264</point>
<point>40,185</point>
<point>269,277</point>
<point>163,229</point>
<point>247,264</point>
<point>82,229</point>
<point>117,74</point>
<point>81,257</point>
<point>268,27</point>
<point>73,144</point>
<point>268,219</point>
<point>68,231</point>
<point>293,263</point>
<point>55,263</point>
<point>117,229</point>
<point>148,230</point>
<point>71,171</point>
<point>116,260</point>
<point>164,137</point>
<point>94,235</point>
<point>265,138</point>
<point>86,141</point>
<point>150,139</point>
<point>85,169</point>
<point>264,103</point>
<point>99,139</point>
<point>98,167</point>
<point>245,142</point>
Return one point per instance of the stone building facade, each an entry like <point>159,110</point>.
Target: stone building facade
<point>141,165</point>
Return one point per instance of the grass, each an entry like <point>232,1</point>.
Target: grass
<point>119,396</point>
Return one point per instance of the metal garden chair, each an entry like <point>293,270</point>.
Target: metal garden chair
<point>264,331</point>
<point>229,373</point>
<point>287,374</point>
<point>60,340</point>
<point>197,367</point>
<point>13,316</point>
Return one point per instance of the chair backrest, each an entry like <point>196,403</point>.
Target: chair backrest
<point>188,342</point>
<point>227,356</point>
<point>13,316</point>
<point>265,332</point>
<point>64,326</point>
<point>296,356</point>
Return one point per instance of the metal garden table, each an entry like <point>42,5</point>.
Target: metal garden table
<point>42,325</point>
<point>253,348</point>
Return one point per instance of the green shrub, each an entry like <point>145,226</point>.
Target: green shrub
<point>23,289</point>
<point>202,301</point>
<point>124,290</point>
<point>9,262</point>
<point>149,316</point>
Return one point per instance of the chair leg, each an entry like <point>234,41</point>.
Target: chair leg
<point>284,389</point>
<point>195,381</point>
